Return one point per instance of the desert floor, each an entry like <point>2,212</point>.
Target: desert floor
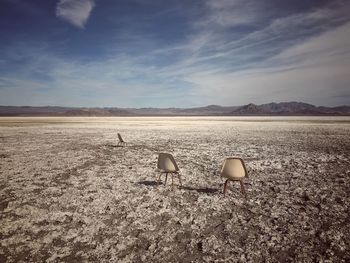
<point>69,194</point>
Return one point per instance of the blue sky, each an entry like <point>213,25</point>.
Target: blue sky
<point>167,53</point>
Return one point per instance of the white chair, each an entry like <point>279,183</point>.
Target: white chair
<point>166,164</point>
<point>121,141</point>
<point>234,169</point>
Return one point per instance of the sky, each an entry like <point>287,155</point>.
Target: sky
<point>173,53</point>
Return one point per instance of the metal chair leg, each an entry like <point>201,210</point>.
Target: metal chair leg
<point>242,188</point>
<point>225,186</point>
<point>179,179</point>
<point>172,180</point>
<point>159,177</point>
<point>166,178</point>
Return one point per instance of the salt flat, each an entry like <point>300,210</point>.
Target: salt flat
<point>68,194</point>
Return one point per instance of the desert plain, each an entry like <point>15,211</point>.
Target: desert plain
<point>69,193</point>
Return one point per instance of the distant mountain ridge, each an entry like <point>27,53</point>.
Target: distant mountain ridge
<point>269,109</point>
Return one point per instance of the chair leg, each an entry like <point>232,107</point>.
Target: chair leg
<point>172,180</point>
<point>225,186</point>
<point>242,188</point>
<point>166,178</point>
<point>159,177</point>
<point>179,179</point>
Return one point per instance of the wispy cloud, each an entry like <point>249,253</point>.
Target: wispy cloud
<point>218,47</point>
<point>76,12</point>
<point>315,71</point>
<point>227,59</point>
<point>228,13</point>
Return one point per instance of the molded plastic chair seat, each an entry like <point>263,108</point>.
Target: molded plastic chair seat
<point>167,164</point>
<point>234,169</point>
<point>121,141</point>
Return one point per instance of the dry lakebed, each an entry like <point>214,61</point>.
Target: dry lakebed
<point>69,193</point>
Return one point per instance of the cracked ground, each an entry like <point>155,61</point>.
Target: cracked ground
<point>69,193</point>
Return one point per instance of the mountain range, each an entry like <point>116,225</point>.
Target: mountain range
<point>269,109</point>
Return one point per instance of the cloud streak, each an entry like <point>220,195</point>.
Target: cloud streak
<point>231,57</point>
<point>76,12</point>
<point>315,71</point>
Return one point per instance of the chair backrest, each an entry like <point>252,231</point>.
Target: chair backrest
<point>166,162</point>
<point>120,138</point>
<point>234,168</point>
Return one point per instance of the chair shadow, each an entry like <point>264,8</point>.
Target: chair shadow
<point>114,146</point>
<point>205,190</point>
<point>149,183</point>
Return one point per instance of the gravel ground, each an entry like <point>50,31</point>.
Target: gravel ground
<point>68,193</point>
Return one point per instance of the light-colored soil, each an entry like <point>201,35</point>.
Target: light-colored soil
<point>68,194</point>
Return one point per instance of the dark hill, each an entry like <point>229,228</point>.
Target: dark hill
<point>269,109</point>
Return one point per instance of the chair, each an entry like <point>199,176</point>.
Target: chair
<point>121,141</point>
<point>166,164</point>
<point>234,170</point>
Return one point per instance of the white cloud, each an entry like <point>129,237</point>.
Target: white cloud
<point>329,44</point>
<point>314,71</point>
<point>228,13</point>
<point>303,57</point>
<point>76,12</point>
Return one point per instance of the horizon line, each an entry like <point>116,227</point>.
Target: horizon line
<point>173,107</point>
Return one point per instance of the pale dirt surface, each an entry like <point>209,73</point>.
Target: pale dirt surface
<point>68,194</point>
